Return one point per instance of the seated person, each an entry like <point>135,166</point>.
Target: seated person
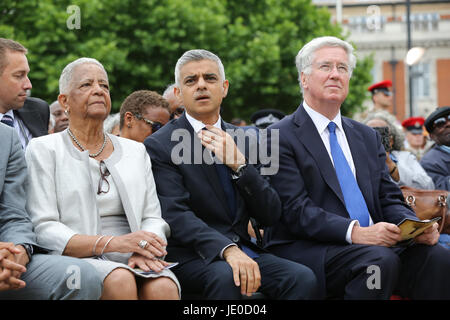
<point>209,194</point>
<point>402,165</point>
<point>415,140</point>
<point>24,273</point>
<point>340,206</point>
<point>142,113</point>
<point>176,107</point>
<point>436,162</point>
<point>100,201</point>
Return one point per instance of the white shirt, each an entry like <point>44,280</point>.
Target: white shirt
<point>321,122</point>
<point>198,126</point>
<point>21,129</point>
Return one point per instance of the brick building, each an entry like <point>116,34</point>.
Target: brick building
<point>379,28</point>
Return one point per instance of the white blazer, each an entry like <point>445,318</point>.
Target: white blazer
<point>61,198</point>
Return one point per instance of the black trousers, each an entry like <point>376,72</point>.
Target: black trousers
<point>280,279</point>
<point>374,272</point>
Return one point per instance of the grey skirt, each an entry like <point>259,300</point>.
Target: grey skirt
<point>105,264</point>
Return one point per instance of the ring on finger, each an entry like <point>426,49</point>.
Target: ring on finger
<point>143,244</point>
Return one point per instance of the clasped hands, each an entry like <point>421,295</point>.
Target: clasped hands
<point>12,264</point>
<point>148,258</point>
<point>388,234</point>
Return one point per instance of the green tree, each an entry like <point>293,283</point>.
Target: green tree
<point>139,43</point>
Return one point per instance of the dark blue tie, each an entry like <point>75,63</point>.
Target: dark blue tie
<point>224,174</point>
<point>7,120</point>
<point>225,179</point>
<point>354,200</point>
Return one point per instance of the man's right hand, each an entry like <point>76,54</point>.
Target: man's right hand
<point>380,234</point>
<point>246,272</point>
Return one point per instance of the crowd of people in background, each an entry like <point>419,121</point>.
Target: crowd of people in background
<point>105,192</point>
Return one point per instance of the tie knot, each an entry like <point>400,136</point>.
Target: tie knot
<point>332,127</point>
<point>8,120</point>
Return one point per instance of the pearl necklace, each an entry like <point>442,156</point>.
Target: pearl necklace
<point>93,155</point>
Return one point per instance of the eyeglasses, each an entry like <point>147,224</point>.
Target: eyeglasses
<point>177,112</point>
<point>327,67</point>
<point>385,91</point>
<point>154,124</point>
<point>440,122</point>
<point>104,172</point>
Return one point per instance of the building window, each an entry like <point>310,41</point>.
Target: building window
<point>421,80</point>
<point>424,21</point>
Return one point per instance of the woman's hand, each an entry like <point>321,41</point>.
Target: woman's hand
<point>138,261</point>
<point>129,242</point>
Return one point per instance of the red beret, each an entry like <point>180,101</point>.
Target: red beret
<point>414,124</point>
<point>381,84</point>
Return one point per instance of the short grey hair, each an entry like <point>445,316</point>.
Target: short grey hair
<point>397,133</point>
<point>305,56</point>
<point>67,73</point>
<point>111,121</point>
<point>197,55</point>
<point>168,90</point>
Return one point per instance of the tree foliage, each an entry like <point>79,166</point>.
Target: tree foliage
<point>139,43</point>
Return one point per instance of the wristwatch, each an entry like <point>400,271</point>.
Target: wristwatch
<point>28,249</point>
<point>240,170</point>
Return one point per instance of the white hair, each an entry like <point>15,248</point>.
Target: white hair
<point>197,55</point>
<point>305,56</point>
<point>168,90</point>
<point>67,73</point>
<point>111,121</point>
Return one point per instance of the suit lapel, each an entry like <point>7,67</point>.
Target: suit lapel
<point>208,170</point>
<point>307,133</point>
<point>33,122</point>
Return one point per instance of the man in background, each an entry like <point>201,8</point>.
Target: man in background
<point>29,116</point>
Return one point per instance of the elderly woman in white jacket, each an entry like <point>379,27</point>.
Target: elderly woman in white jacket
<point>92,195</point>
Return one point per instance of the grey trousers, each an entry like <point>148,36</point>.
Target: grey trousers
<point>54,277</point>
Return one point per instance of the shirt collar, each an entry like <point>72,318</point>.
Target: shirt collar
<point>198,125</point>
<point>9,113</point>
<point>320,121</point>
<point>445,148</point>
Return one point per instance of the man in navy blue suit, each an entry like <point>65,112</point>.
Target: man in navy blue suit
<point>29,116</point>
<point>340,207</point>
<point>209,189</point>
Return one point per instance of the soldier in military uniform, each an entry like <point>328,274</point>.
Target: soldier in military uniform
<point>415,140</point>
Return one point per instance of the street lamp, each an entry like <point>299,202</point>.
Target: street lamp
<point>413,56</point>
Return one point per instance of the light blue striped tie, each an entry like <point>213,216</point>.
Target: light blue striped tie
<point>354,200</point>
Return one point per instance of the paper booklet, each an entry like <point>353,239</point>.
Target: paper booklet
<point>412,228</point>
<point>145,273</point>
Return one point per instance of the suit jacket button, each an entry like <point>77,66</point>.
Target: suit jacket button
<point>236,239</point>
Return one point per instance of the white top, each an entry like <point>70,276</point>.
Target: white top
<point>108,203</point>
<point>61,195</point>
<point>411,172</point>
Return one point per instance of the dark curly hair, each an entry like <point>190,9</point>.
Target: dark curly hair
<point>139,100</point>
